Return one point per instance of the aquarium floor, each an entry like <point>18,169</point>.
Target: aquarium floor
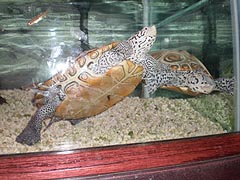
<point>130,121</point>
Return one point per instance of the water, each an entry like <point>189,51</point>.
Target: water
<point>31,54</point>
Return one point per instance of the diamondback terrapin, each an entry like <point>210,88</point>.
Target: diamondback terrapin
<point>97,80</point>
<point>188,75</point>
<point>102,77</point>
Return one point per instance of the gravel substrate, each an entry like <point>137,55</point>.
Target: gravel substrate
<point>130,121</point>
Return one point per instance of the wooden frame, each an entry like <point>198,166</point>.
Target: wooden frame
<point>215,157</point>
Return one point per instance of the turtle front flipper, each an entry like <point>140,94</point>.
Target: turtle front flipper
<point>31,134</point>
<point>225,85</point>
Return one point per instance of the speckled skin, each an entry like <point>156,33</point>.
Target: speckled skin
<point>225,85</point>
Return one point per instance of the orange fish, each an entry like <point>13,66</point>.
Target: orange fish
<point>37,18</point>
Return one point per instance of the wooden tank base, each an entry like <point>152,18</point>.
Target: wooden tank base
<point>211,157</point>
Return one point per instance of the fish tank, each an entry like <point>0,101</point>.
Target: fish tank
<point>85,74</point>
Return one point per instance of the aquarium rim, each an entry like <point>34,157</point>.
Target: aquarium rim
<point>211,154</point>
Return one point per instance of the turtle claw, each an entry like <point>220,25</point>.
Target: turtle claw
<point>29,136</point>
<point>75,122</point>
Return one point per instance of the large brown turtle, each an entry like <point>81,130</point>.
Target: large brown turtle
<point>96,81</point>
<point>102,77</point>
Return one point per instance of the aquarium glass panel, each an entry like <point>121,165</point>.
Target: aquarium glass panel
<point>77,74</point>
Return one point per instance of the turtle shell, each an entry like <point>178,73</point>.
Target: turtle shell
<point>180,60</point>
<point>87,93</point>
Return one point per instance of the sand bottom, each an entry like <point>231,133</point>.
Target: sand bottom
<point>130,121</point>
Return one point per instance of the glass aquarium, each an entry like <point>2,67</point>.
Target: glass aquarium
<point>77,74</point>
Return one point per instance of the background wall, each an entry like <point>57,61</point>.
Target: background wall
<point>31,53</point>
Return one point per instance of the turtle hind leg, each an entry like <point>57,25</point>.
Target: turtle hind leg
<point>31,134</point>
<point>225,85</point>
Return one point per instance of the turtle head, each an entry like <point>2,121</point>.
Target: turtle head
<point>200,83</point>
<point>143,40</point>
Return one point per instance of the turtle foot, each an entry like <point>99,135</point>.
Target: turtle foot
<point>29,136</point>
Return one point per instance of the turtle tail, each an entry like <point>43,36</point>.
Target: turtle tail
<point>225,85</point>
